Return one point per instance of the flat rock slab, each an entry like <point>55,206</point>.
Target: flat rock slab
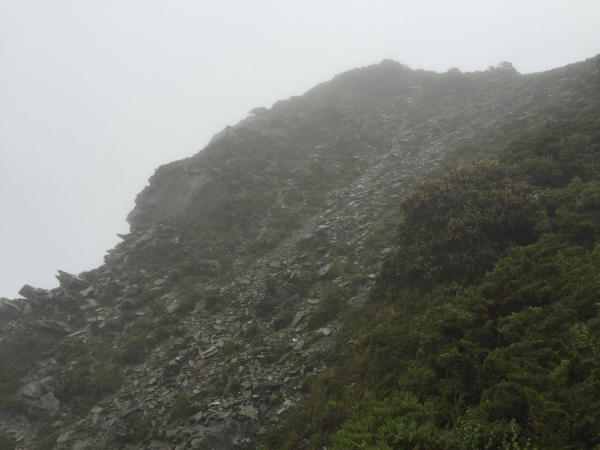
<point>30,292</point>
<point>173,306</point>
<point>32,390</point>
<point>63,437</point>
<point>323,270</point>
<point>284,358</point>
<point>50,403</point>
<point>271,385</point>
<point>297,318</point>
<point>128,411</point>
<point>81,445</point>
<point>307,237</point>
<point>282,293</point>
<point>299,345</point>
<point>71,281</point>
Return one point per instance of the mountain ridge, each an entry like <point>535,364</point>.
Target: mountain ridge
<point>243,289</point>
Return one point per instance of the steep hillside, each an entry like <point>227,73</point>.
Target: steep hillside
<point>264,294</point>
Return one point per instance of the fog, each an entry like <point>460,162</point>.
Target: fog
<point>94,96</point>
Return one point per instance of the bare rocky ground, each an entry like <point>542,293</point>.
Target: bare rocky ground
<point>246,402</point>
<point>242,371</point>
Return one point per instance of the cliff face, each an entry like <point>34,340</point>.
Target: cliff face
<point>204,333</point>
<point>177,191</point>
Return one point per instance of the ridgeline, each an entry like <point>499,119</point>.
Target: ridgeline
<point>396,259</point>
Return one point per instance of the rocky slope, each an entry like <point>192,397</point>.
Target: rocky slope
<point>203,325</point>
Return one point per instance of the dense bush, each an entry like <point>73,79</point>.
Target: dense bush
<point>399,422</point>
<point>578,211</point>
<point>456,228</point>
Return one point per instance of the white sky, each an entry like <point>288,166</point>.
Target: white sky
<point>95,95</point>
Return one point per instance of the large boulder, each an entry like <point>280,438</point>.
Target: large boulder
<point>72,282</point>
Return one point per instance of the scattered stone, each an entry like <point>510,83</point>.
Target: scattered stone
<point>29,292</point>
<point>32,390</point>
<point>330,203</point>
<point>64,437</point>
<point>13,306</point>
<point>128,411</point>
<point>81,445</point>
<point>284,358</point>
<point>299,345</point>
<point>86,291</point>
<point>307,237</point>
<point>53,325</point>
<point>172,306</point>
<point>76,333</point>
<point>282,293</point>
<point>259,349</point>
<point>297,318</point>
<point>323,270</point>
<point>122,430</point>
<point>72,282</point>
<point>50,403</point>
<point>210,352</point>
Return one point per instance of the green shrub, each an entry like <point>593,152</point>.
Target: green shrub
<point>578,211</point>
<point>18,354</point>
<point>143,427</point>
<point>399,422</point>
<point>133,351</point>
<point>15,405</point>
<point>358,280</point>
<point>315,200</point>
<point>336,270</point>
<point>286,219</point>
<point>107,380</point>
<point>370,258</point>
<point>182,407</point>
<point>251,330</point>
<point>104,351</point>
<point>6,442</point>
<point>456,228</point>
<point>77,380</point>
<point>373,241</point>
<point>229,346</point>
<point>283,319</point>
<point>329,307</point>
<point>47,442</point>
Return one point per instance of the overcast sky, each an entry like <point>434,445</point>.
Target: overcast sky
<point>95,95</point>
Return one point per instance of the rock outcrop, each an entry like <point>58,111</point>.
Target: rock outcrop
<point>174,190</point>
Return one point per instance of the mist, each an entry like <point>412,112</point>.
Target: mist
<point>94,96</point>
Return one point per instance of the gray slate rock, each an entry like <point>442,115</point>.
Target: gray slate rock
<point>50,403</point>
<point>72,282</point>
